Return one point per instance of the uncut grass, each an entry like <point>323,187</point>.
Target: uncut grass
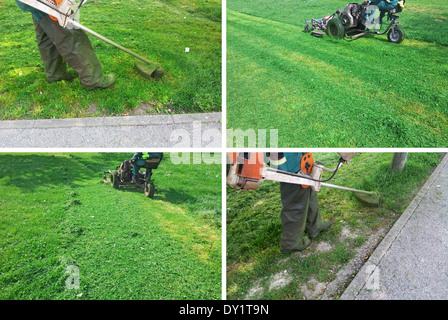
<point>254,225</point>
<point>56,212</point>
<point>158,30</point>
<point>324,91</point>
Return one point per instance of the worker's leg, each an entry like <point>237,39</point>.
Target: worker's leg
<point>295,201</point>
<point>137,165</point>
<point>314,223</point>
<point>385,6</point>
<point>135,170</point>
<point>75,47</point>
<point>55,65</point>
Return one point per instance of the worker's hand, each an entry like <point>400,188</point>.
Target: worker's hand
<point>347,156</point>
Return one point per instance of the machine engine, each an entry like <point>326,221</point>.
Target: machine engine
<point>353,15</point>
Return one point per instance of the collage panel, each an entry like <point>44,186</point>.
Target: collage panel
<point>109,74</point>
<point>298,151</point>
<point>336,225</point>
<point>110,226</point>
<point>334,74</point>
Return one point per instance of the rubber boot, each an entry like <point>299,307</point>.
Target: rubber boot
<point>326,224</point>
<point>73,46</point>
<point>136,181</point>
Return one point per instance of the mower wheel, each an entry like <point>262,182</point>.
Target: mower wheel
<point>396,34</point>
<point>149,189</point>
<point>335,29</point>
<point>114,179</point>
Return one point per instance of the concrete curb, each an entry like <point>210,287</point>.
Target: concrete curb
<point>368,270</point>
<point>110,121</point>
<point>111,132</point>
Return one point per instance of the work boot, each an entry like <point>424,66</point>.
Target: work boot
<point>135,181</point>
<point>302,245</point>
<point>325,225</point>
<point>108,81</point>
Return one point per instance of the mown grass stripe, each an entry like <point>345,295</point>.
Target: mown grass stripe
<point>55,212</point>
<point>383,102</point>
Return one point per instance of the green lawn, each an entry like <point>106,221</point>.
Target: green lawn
<point>158,30</point>
<point>321,92</point>
<point>255,267</point>
<point>56,212</point>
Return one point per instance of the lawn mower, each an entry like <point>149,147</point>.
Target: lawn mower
<point>122,175</point>
<point>247,170</point>
<point>356,20</point>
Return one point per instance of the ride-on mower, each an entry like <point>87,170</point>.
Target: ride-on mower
<point>122,175</point>
<point>357,20</point>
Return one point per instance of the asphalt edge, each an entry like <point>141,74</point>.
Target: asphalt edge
<point>110,121</point>
<point>368,269</point>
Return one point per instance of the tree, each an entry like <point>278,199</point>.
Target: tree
<point>398,161</point>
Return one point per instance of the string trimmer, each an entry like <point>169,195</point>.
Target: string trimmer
<point>66,12</point>
<point>247,170</point>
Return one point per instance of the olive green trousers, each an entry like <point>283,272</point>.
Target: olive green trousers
<point>300,214</point>
<point>59,46</point>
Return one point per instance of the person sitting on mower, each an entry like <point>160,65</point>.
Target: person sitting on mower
<point>58,46</point>
<point>138,161</point>
<point>383,5</point>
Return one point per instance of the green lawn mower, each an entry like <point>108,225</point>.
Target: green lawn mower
<point>122,175</point>
<point>357,20</point>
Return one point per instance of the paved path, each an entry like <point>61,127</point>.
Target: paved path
<point>182,131</point>
<point>412,260</point>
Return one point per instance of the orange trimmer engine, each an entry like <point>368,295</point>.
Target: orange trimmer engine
<point>306,165</point>
<point>244,170</point>
<point>55,3</point>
